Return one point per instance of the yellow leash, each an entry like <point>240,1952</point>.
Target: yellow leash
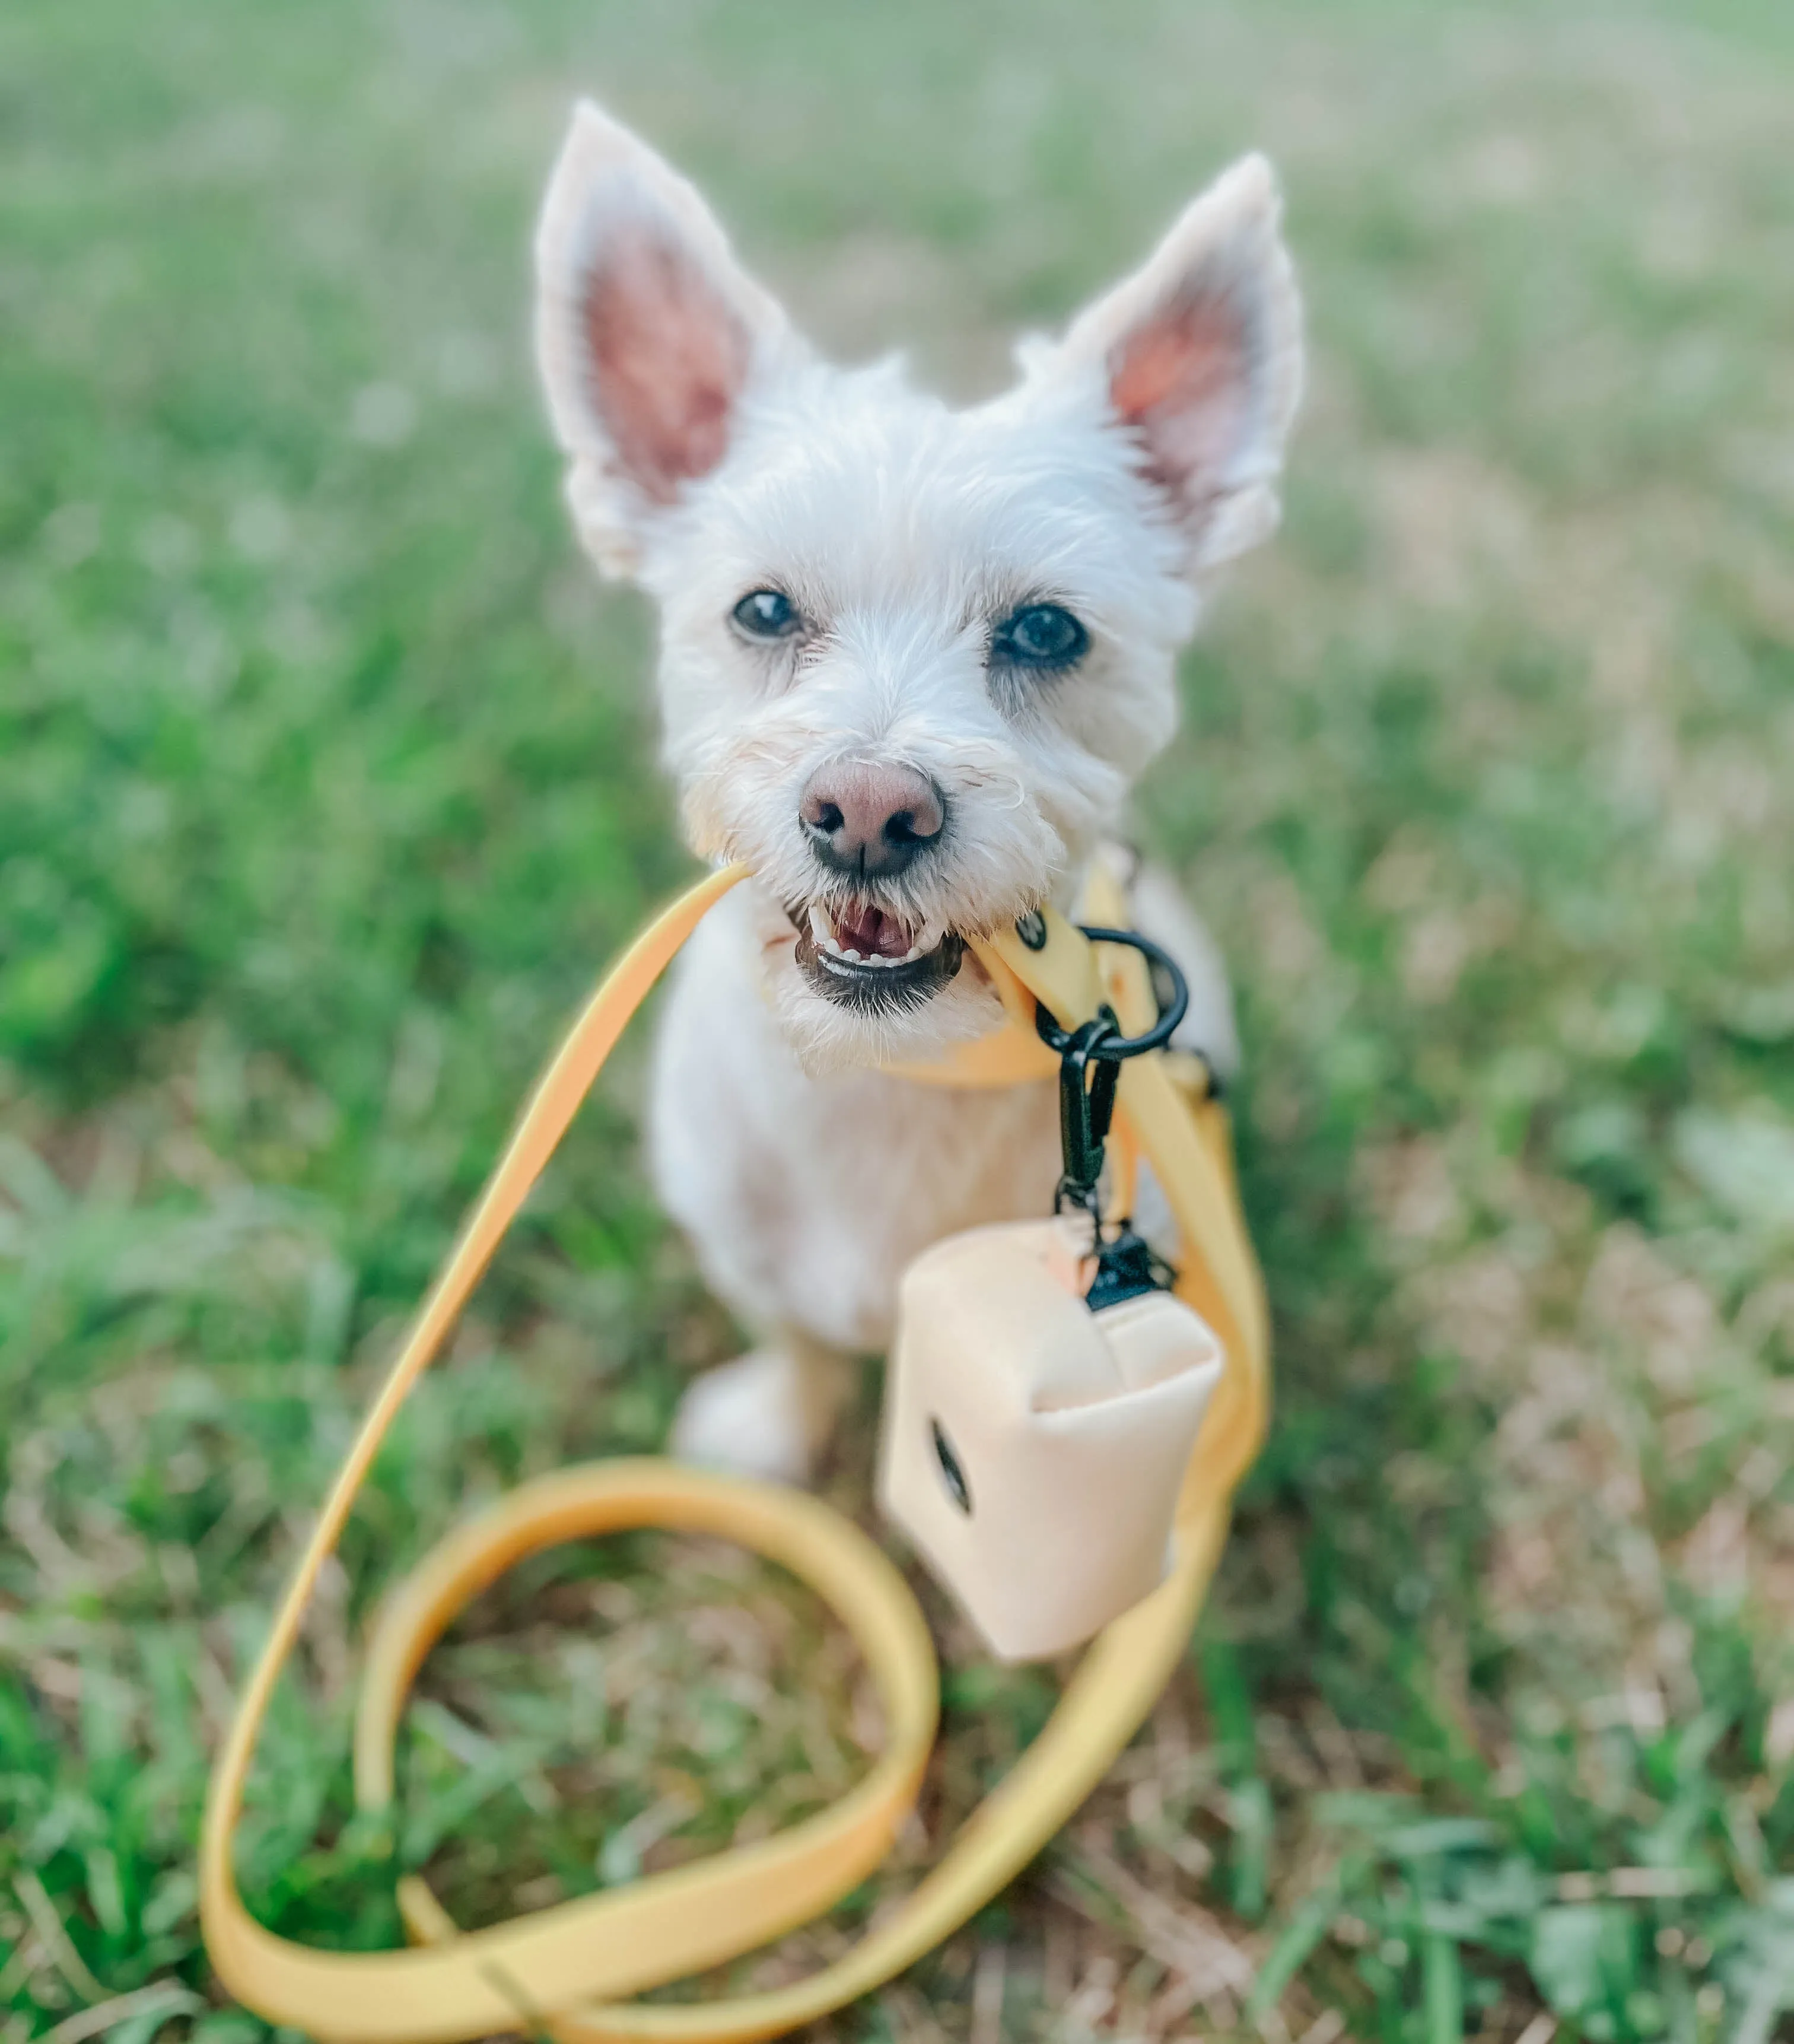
<point>568,1971</point>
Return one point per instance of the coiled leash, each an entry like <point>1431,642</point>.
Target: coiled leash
<point>568,1971</point>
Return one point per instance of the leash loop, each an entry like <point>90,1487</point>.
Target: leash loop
<point>568,1971</point>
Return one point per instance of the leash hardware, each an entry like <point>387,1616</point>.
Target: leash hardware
<point>1086,1107</point>
<point>1087,1095</point>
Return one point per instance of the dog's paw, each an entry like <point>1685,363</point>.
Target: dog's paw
<point>754,1417</point>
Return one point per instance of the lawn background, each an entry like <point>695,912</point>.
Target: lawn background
<point>326,788</point>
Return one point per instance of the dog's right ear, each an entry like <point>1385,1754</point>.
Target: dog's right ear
<point>1198,358</point>
<point>648,333</point>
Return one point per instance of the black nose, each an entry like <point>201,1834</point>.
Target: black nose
<point>870,821</point>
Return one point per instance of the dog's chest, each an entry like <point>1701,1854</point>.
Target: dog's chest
<point>806,1198</point>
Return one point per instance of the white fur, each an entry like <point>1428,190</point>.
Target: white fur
<point>903,531</point>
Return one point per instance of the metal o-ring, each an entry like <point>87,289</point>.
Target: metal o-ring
<point>1113,1048</point>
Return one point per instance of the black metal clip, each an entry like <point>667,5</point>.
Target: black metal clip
<point>1086,1107</point>
<point>1090,1060</point>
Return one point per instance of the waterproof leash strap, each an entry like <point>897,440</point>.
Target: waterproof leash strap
<point>567,1971</point>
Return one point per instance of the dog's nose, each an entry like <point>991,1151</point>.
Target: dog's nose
<point>871,820</point>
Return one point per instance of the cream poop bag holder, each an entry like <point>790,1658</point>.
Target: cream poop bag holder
<point>1033,1447</point>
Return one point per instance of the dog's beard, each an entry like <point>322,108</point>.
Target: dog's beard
<point>829,1036</point>
<point>863,971</point>
<point>840,1014</point>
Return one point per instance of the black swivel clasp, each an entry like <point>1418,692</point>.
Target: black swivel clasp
<point>1090,1060</point>
<point>1088,1078</point>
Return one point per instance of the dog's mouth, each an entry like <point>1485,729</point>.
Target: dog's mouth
<point>864,956</point>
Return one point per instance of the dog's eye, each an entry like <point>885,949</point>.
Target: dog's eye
<point>767,614</point>
<point>1040,635</point>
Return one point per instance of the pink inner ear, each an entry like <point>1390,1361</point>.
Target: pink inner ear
<point>1180,379</point>
<point>667,358</point>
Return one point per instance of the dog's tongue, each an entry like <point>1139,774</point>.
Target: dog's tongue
<point>870,931</point>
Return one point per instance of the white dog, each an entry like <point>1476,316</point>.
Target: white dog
<point>911,660</point>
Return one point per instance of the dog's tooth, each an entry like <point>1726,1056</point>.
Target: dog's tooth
<point>911,955</point>
<point>819,925</point>
<point>852,956</point>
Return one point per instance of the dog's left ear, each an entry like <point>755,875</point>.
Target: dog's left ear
<point>1199,357</point>
<point>648,333</point>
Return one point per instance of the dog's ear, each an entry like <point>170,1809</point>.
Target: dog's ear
<point>1199,356</point>
<point>648,333</point>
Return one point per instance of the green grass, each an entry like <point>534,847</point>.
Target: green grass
<point>326,788</point>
